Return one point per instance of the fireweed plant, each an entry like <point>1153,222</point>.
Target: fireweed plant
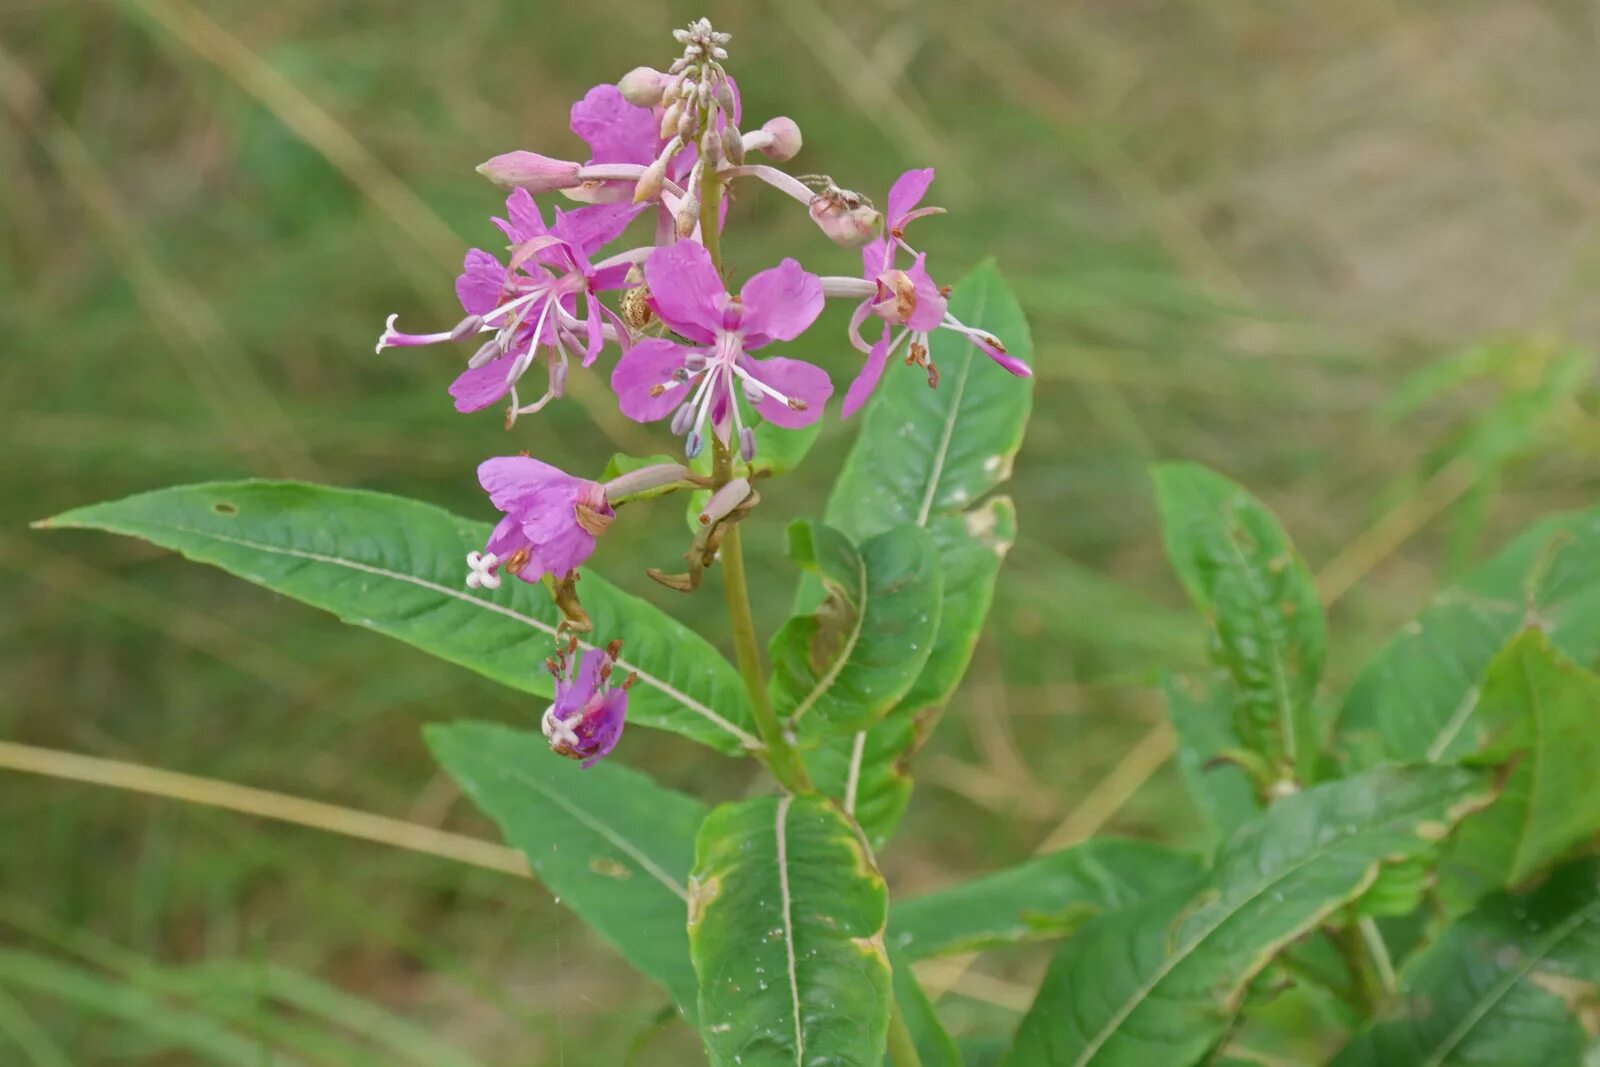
<point>1398,877</point>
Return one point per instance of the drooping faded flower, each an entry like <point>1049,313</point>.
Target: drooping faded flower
<point>585,721</point>
<point>551,521</point>
<point>700,383</point>
<point>905,299</point>
<point>542,297</point>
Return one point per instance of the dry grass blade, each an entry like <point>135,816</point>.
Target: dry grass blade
<point>220,370</point>
<point>246,800</point>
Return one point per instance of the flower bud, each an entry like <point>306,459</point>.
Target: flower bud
<point>724,91</point>
<point>733,145</point>
<point>649,185</point>
<point>785,136</point>
<point>669,119</point>
<point>643,86</point>
<point>846,220</point>
<point>530,171</point>
<point>686,123</point>
<point>688,217</point>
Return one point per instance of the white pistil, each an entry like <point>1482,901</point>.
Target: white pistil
<point>481,570</point>
<point>558,731</point>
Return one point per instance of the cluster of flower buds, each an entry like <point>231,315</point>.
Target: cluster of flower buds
<point>662,145</point>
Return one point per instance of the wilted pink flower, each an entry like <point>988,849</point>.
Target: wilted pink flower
<point>586,720</point>
<point>551,521</point>
<point>657,377</point>
<point>544,296</point>
<point>905,298</point>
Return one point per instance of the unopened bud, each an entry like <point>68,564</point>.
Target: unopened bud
<point>669,119</point>
<point>530,171</point>
<point>688,217</point>
<point>845,220</point>
<point>649,185</point>
<point>725,101</point>
<point>643,86</point>
<point>733,144</point>
<point>786,140</point>
<point>466,327</point>
<point>686,123</point>
<point>747,444</point>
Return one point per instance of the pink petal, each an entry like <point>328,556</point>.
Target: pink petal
<point>590,228</point>
<point>780,304</point>
<point>867,380</point>
<point>647,364</point>
<point>795,379</point>
<point>606,725</point>
<point>877,256</point>
<point>475,390</point>
<point>481,282</point>
<point>506,538</point>
<point>615,130</point>
<point>596,339</point>
<point>684,290</point>
<point>509,480</point>
<point>526,222</point>
<point>906,193</point>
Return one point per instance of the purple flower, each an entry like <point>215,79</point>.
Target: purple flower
<point>696,383</point>
<point>551,521</point>
<point>586,720</point>
<point>543,297</point>
<point>907,299</point>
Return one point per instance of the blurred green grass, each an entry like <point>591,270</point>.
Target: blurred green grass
<point>1236,230</point>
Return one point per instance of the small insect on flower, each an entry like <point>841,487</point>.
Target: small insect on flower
<point>586,720</point>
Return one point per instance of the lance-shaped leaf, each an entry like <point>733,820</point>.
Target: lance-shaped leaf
<point>395,566</point>
<point>611,844</point>
<point>1203,722</point>
<point>1267,632</point>
<point>871,771</point>
<point>1418,698</point>
<point>935,1048</point>
<point>924,456</point>
<point>1158,982</point>
<point>786,931</point>
<point>1538,705</point>
<point>845,664</point>
<point>1515,982</point>
<point>1046,897</point>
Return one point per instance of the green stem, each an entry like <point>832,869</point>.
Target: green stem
<point>902,1049</point>
<point>781,756</point>
<point>1378,951</point>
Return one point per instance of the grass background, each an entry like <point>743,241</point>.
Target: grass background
<point>1238,230</point>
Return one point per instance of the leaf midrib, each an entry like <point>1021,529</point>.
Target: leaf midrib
<point>748,740</point>
<point>1142,994</point>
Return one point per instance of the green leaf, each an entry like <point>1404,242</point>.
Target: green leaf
<point>1226,796</point>
<point>935,1048</point>
<point>1158,981</point>
<point>1515,982</point>
<point>1267,632</point>
<point>841,667</point>
<point>786,931</point>
<point>871,771</point>
<point>395,566</point>
<point>1541,706</point>
<point>1418,698</point>
<point>1046,897</point>
<point>611,844</point>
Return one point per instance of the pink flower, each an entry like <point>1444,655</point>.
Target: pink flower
<point>586,720</point>
<point>908,298</point>
<point>544,296</point>
<point>551,521</point>
<point>695,383</point>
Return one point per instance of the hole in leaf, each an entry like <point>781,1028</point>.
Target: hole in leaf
<point>222,507</point>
